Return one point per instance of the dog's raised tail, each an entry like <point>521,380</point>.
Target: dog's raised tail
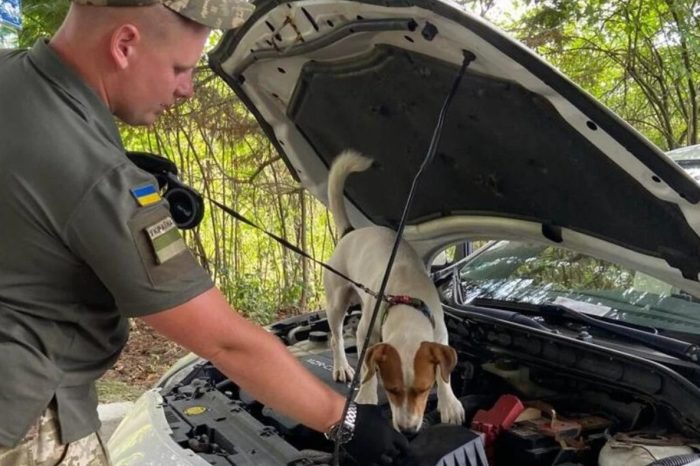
<point>347,162</point>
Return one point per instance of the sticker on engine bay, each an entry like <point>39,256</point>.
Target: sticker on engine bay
<point>165,239</point>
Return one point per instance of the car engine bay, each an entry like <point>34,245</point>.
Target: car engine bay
<point>530,399</point>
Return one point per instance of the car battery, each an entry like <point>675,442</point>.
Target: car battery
<point>525,446</point>
<point>541,440</point>
<point>496,420</point>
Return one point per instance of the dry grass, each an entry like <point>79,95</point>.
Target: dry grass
<point>145,359</point>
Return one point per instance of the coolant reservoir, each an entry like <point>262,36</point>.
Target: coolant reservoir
<point>317,342</point>
<point>518,376</point>
<point>642,449</point>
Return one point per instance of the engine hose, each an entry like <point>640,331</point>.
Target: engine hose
<point>677,460</point>
<point>316,457</point>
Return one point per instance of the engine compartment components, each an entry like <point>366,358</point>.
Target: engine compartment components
<point>445,444</point>
<point>497,419</point>
<point>646,448</point>
<point>546,437</point>
<point>519,411</point>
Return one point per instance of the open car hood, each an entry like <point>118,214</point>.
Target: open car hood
<point>524,154</point>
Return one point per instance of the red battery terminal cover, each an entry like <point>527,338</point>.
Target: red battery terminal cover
<point>497,419</point>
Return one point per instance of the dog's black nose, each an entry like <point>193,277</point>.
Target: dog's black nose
<point>409,431</point>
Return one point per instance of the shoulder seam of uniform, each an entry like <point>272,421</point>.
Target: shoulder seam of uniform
<point>87,192</point>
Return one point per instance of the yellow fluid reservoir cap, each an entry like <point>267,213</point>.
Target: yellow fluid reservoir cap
<point>195,410</point>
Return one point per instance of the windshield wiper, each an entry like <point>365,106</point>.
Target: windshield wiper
<point>509,316</point>
<point>671,346</point>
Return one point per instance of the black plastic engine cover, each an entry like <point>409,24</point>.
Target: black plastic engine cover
<point>445,444</point>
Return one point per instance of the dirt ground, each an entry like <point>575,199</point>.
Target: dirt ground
<point>145,358</point>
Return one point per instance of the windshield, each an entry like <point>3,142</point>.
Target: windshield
<point>688,158</point>
<point>538,274</point>
<point>685,153</point>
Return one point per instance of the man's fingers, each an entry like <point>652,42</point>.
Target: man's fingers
<point>402,445</point>
<point>388,457</point>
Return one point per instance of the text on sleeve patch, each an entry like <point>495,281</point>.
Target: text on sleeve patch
<point>165,239</point>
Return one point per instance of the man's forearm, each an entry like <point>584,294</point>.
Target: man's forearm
<point>265,368</point>
<point>250,356</point>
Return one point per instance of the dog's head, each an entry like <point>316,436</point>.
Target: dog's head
<point>408,383</point>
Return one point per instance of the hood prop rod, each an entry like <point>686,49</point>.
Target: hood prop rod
<point>432,150</point>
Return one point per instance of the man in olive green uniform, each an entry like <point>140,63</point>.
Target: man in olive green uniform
<point>86,241</point>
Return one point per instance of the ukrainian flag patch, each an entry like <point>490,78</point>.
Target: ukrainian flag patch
<point>146,194</point>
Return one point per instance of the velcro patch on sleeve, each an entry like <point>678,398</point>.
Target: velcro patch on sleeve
<point>165,257</point>
<point>165,239</point>
<point>146,195</point>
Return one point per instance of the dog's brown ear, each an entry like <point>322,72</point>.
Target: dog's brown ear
<point>376,354</point>
<point>444,357</point>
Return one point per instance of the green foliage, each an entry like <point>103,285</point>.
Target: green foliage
<point>256,296</point>
<point>41,18</point>
<point>568,270</point>
<point>640,57</point>
<point>220,151</point>
<point>8,37</point>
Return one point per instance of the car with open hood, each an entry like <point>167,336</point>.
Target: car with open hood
<point>520,154</point>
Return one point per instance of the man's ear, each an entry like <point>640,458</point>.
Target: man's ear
<point>122,46</point>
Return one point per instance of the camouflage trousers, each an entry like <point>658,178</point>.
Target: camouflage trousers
<point>42,447</point>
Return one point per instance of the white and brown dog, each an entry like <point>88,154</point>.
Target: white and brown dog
<point>409,339</point>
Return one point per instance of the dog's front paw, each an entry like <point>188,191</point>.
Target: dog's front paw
<point>343,372</point>
<point>366,397</point>
<point>451,411</point>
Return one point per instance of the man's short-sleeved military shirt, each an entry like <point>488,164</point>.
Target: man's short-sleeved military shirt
<point>85,242</point>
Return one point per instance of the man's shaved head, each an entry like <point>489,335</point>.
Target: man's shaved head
<point>139,60</point>
<point>154,21</point>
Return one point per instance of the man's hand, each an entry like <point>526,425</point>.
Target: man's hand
<point>374,441</point>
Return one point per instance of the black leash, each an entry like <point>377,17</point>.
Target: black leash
<point>297,249</point>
